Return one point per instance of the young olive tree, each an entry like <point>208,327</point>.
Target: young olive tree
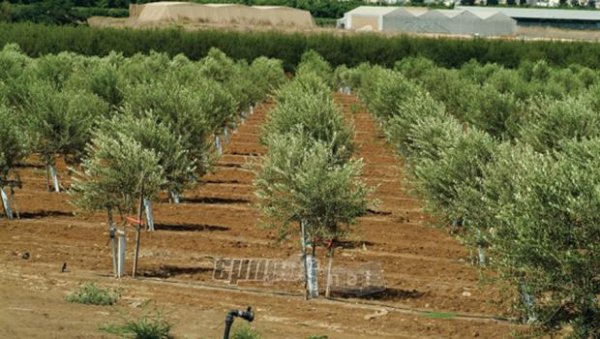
<point>60,123</point>
<point>117,173</point>
<point>179,168</point>
<point>313,62</point>
<point>315,116</point>
<point>12,149</point>
<point>299,181</point>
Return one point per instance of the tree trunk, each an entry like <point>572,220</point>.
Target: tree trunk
<point>329,264</point>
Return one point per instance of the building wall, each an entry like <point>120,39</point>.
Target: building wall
<point>359,21</point>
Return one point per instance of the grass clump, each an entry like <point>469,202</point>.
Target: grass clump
<point>91,294</point>
<point>146,327</point>
<point>245,332</point>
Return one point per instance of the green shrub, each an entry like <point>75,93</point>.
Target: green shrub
<point>549,121</point>
<point>146,327</point>
<point>245,332</point>
<point>91,294</point>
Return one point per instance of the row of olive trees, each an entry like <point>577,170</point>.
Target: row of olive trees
<point>308,178</point>
<point>59,99</point>
<point>529,206</point>
<point>504,102</point>
<point>128,127</point>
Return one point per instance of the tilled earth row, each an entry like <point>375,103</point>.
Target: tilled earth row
<point>424,268</point>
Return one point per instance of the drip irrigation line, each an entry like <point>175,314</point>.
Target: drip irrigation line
<point>351,303</point>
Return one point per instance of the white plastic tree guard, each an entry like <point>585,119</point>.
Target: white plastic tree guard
<point>149,214</point>
<point>6,204</point>
<point>218,145</point>
<point>54,177</point>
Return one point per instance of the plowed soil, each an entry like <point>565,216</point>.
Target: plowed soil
<point>432,289</point>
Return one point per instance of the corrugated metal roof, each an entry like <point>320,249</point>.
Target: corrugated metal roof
<point>534,13</point>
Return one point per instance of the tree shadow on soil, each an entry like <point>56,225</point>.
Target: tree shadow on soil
<point>371,211</point>
<point>44,214</point>
<point>214,200</point>
<point>168,271</point>
<point>352,244</point>
<point>190,228</point>
<point>389,294</point>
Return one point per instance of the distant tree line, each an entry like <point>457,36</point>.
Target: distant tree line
<point>350,50</point>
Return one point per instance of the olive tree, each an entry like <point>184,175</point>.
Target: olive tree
<point>299,181</point>
<point>60,123</point>
<point>117,173</point>
<point>12,149</point>
<point>545,238</point>
<point>179,168</point>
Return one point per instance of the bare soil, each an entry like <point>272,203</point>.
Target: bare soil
<point>426,269</point>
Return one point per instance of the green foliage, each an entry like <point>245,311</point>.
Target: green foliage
<point>245,332</point>
<point>550,121</point>
<point>546,236</point>
<point>267,75</point>
<point>151,326</point>
<point>408,113</point>
<point>116,172</point>
<point>195,112</point>
<point>60,122</point>
<point>414,67</point>
<point>91,294</point>
<point>312,62</point>
<point>350,50</point>
<point>314,115</point>
<point>530,201</point>
<point>152,134</point>
<point>299,180</point>
<point>13,142</point>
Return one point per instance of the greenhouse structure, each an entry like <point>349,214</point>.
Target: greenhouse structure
<point>422,20</point>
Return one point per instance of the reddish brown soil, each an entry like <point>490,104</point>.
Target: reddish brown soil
<point>425,268</point>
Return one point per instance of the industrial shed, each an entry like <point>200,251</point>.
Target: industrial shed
<point>157,12</point>
<point>422,20</point>
<point>562,18</point>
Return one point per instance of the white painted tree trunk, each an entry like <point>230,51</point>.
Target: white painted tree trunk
<point>54,177</point>
<point>149,215</point>
<point>6,204</point>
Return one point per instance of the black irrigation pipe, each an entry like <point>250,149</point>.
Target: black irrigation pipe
<point>351,302</point>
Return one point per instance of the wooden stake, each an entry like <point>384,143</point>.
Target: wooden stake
<point>303,242</point>
<point>138,230</point>
<point>328,286</point>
